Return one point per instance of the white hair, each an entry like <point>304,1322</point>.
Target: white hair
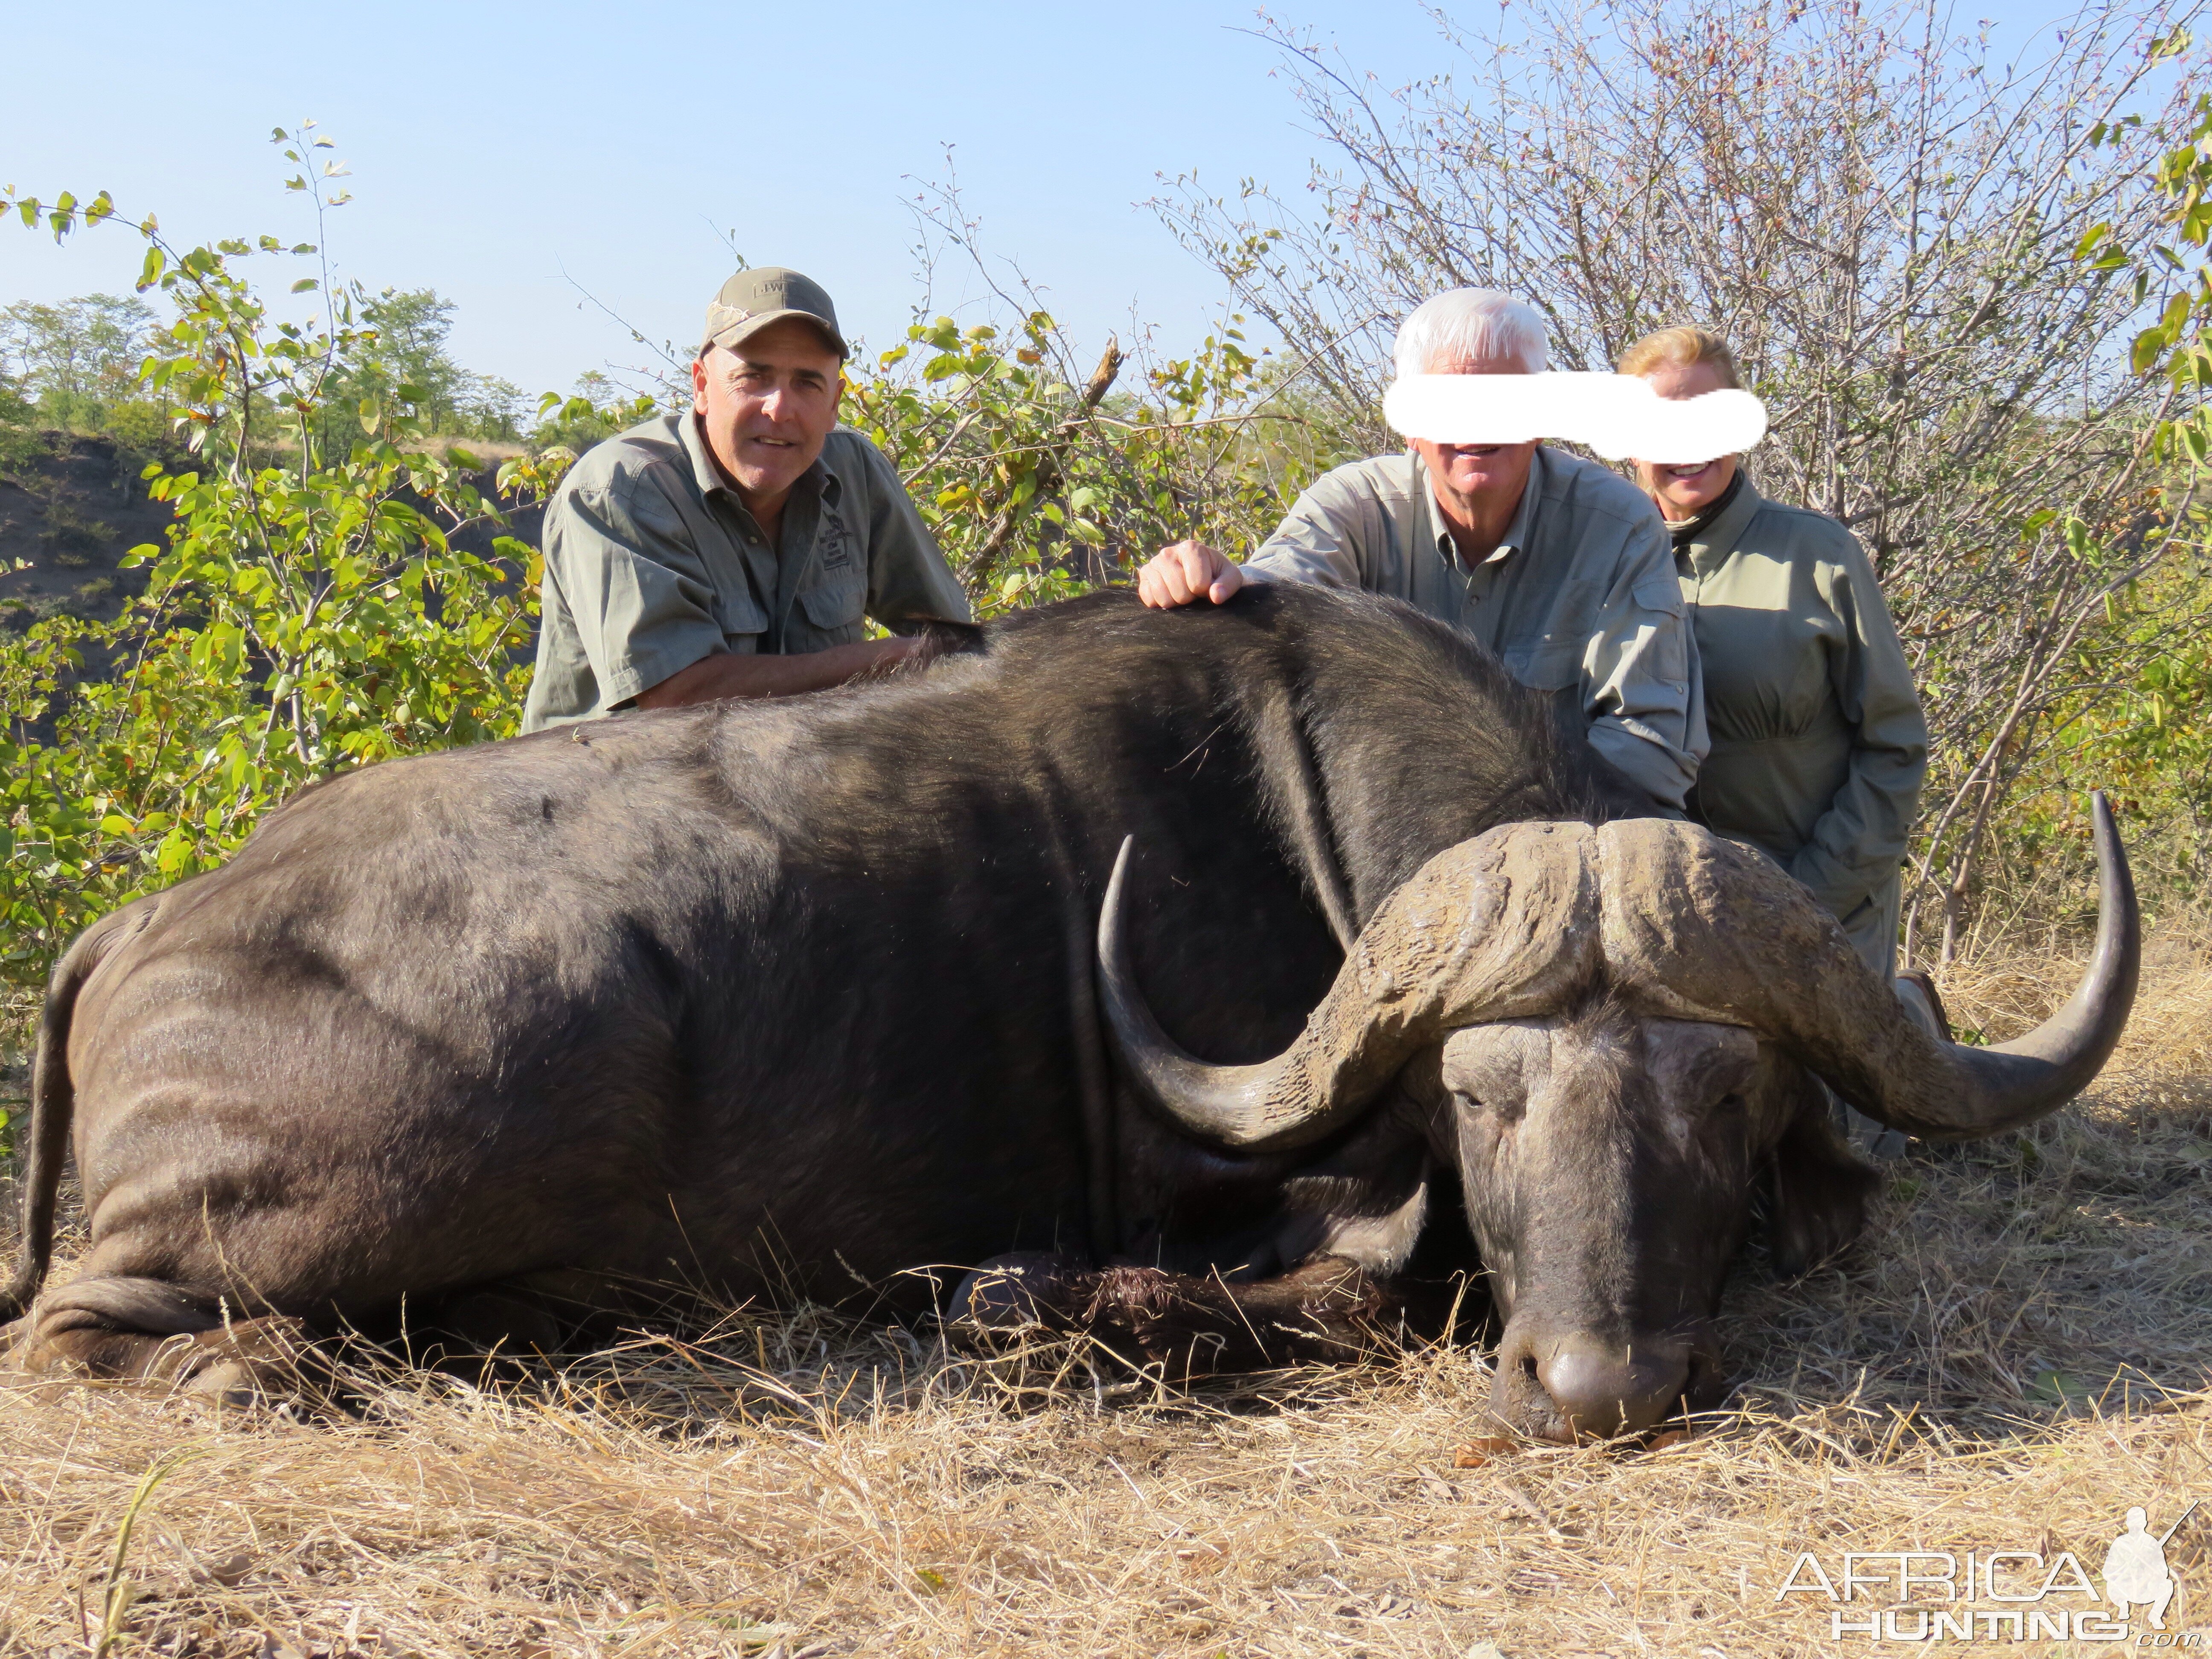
<point>1471,325</point>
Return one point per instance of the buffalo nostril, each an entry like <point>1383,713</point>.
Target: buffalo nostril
<point>1603,1390</point>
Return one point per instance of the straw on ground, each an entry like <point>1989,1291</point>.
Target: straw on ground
<point>2018,1354</point>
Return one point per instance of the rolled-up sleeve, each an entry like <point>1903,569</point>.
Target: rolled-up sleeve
<point>1319,540</point>
<point>1642,689</point>
<point>640,602</point>
<point>909,583</point>
<point>1858,843</point>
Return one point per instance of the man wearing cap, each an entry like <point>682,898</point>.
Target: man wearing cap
<point>732,549</point>
<point>1560,566</point>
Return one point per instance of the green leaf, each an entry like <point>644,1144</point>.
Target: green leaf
<point>2058,1388</point>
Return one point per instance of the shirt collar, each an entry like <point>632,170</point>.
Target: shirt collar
<point>1685,531</point>
<point>820,478</point>
<point>1717,541</point>
<point>1517,533</point>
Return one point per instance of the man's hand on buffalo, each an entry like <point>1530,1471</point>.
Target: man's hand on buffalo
<point>733,674</point>
<point>1187,572</point>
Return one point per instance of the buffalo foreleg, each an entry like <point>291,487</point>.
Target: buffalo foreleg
<point>1184,1325</point>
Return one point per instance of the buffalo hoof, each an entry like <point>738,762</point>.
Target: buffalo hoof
<point>1011,1295</point>
<point>231,1383</point>
<point>1181,1327</point>
<point>250,1363</point>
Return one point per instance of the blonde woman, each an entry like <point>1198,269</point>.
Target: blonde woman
<point>1818,742</point>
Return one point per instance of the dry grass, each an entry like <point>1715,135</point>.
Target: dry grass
<point>2020,1352</point>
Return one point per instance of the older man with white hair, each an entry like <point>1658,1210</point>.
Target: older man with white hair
<point>1560,566</point>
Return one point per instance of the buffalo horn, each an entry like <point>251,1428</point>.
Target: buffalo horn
<point>1764,955</point>
<point>1493,928</point>
<point>1245,1107</point>
<point>2014,1083</point>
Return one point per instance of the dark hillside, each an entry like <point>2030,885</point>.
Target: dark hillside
<point>71,507</point>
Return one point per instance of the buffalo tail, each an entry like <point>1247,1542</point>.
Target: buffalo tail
<point>53,1106</point>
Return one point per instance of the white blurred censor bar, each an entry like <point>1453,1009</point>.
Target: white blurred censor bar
<point>1616,416</point>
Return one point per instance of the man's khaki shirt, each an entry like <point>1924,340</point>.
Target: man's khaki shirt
<point>1582,594</point>
<point>652,563</point>
<point>1818,744</point>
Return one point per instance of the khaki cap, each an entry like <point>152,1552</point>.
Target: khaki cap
<point>752,300</point>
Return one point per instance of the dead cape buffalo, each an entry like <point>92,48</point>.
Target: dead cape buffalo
<point>757,997</point>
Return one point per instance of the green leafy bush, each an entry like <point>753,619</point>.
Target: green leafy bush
<point>309,612</point>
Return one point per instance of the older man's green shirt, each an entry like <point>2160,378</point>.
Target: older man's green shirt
<point>653,563</point>
<point>1581,597</point>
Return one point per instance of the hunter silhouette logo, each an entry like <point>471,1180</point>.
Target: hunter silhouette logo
<point>2135,1568</point>
<point>2002,1595</point>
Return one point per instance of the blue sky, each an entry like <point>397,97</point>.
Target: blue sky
<point>509,157</point>
<point>498,153</point>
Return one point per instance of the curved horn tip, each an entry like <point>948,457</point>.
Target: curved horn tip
<point>1121,867</point>
<point>2070,1048</point>
<point>1950,1092</point>
<point>1256,1108</point>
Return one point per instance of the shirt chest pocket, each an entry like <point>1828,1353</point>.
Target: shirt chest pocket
<point>1553,660</point>
<point>1548,666</point>
<point>741,620</point>
<point>737,612</point>
<point>837,592</point>
<point>715,579</point>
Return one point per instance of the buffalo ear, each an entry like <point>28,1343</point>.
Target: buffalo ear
<point>1820,1190</point>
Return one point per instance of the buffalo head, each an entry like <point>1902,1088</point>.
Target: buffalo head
<point>1616,1029</point>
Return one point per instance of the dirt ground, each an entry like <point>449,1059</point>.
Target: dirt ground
<point>2018,1354</point>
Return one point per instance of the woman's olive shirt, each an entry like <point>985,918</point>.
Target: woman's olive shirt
<point>1819,746</point>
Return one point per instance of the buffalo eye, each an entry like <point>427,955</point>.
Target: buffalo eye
<point>1504,1107</point>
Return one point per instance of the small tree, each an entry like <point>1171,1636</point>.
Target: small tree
<point>307,613</point>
